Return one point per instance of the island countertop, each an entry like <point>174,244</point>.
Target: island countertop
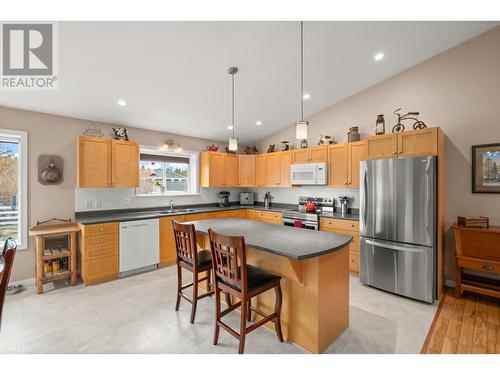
<point>294,243</point>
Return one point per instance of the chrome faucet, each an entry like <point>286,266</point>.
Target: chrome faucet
<point>171,205</point>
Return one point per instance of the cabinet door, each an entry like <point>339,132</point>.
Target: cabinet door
<point>337,166</point>
<point>167,240</point>
<point>422,142</point>
<point>246,170</point>
<point>382,146</point>
<point>356,152</point>
<point>124,164</point>
<point>318,154</point>
<point>285,162</point>
<point>94,162</point>
<point>272,163</point>
<point>251,214</point>
<point>216,169</point>
<point>301,156</point>
<point>260,170</point>
<point>231,170</point>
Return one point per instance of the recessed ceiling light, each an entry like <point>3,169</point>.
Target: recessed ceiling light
<point>229,127</point>
<point>306,96</point>
<point>379,56</point>
<point>122,102</point>
<point>258,123</point>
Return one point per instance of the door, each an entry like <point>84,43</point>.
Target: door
<point>418,142</point>
<point>415,196</point>
<point>94,162</point>
<point>285,163</point>
<point>301,156</point>
<point>167,241</point>
<point>356,153</point>
<point>318,154</point>
<point>125,164</point>
<point>272,169</point>
<point>382,146</point>
<point>259,170</point>
<point>404,269</point>
<point>378,199</point>
<point>231,169</point>
<point>216,169</point>
<point>246,170</point>
<point>337,166</point>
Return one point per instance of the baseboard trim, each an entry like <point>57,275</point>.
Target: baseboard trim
<point>449,283</point>
<point>27,282</point>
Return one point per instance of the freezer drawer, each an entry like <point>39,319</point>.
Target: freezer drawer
<point>399,268</point>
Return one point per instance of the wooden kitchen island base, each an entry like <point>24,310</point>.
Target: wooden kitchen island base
<point>315,308</point>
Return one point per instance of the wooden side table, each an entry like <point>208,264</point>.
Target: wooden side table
<point>54,243</point>
<point>477,249</point>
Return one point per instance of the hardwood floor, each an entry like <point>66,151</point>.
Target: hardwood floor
<point>467,325</point>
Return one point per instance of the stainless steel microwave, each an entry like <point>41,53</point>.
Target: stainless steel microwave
<point>309,174</point>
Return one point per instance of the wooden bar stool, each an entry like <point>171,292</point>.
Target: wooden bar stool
<point>190,259</point>
<point>8,254</point>
<point>232,275</point>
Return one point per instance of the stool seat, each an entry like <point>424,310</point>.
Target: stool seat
<point>204,260</point>
<point>256,278</point>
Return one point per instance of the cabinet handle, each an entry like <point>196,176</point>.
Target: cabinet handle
<point>102,268</point>
<point>488,267</point>
<point>102,241</point>
<point>394,152</point>
<point>101,252</point>
<point>101,229</point>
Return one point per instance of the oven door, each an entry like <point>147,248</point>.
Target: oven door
<point>313,225</point>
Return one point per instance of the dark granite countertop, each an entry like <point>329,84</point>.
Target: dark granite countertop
<point>96,217</point>
<point>295,243</point>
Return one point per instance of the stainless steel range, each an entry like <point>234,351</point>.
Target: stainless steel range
<point>308,218</point>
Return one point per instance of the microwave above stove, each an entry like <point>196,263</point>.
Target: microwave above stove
<point>309,174</point>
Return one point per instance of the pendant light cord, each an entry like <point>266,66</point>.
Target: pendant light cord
<point>301,70</point>
<point>232,102</point>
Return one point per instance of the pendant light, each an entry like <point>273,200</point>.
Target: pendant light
<point>233,141</point>
<point>301,126</point>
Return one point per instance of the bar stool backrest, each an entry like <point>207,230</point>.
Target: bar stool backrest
<point>229,259</point>
<point>185,243</point>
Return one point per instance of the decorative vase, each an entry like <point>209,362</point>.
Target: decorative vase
<point>380,125</point>
<point>353,135</point>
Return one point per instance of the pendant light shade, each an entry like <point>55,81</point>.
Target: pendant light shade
<point>301,126</point>
<point>233,141</point>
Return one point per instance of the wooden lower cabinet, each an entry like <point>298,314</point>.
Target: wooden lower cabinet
<point>167,241</point>
<point>269,217</point>
<point>350,228</point>
<point>99,252</point>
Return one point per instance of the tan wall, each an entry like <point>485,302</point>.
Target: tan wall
<point>49,134</point>
<point>458,90</point>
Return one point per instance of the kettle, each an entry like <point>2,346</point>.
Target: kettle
<point>310,206</point>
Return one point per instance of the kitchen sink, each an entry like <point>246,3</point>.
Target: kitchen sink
<point>177,211</point>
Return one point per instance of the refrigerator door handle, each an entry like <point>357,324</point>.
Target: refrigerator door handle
<point>365,196</point>
<point>395,247</point>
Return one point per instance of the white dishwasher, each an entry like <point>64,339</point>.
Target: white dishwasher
<point>139,244</point>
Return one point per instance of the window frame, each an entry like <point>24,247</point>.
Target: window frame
<point>193,182</point>
<point>22,183</point>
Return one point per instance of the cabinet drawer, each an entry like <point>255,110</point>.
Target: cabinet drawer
<point>483,265</point>
<point>103,251</point>
<point>223,214</point>
<point>105,240</point>
<point>269,215</point>
<point>348,225</point>
<point>104,228</point>
<point>102,267</point>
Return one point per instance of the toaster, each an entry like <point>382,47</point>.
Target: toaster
<point>246,199</point>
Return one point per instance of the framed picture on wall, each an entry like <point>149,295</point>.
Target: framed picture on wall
<point>486,168</point>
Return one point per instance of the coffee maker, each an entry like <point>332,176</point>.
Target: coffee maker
<point>224,198</point>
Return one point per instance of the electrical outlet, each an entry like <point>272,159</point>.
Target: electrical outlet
<point>88,203</point>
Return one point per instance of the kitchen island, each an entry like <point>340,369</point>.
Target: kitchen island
<point>314,267</point>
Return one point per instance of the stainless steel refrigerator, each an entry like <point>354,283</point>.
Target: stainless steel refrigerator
<point>398,226</point>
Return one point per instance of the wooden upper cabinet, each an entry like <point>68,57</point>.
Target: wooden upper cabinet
<point>124,164</point>
<point>246,170</point>
<point>105,162</point>
<point>356,151</point>
<point>231,170</point>
<point>337,166</point>
<point>300,156</point>
<point>318,154</point>
<point>310,155</point>
<point>94,162</point>
<point>212,169</point>
<point>382,146</point>
<point>285,162</point>
<point>272,168</point>
<point>260,171</point>
<point>421,142</point>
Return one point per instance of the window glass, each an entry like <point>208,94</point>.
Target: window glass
<point>9,189</point>
<point>162,175</point>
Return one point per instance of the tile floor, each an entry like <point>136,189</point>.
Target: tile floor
<point>136,315</point>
